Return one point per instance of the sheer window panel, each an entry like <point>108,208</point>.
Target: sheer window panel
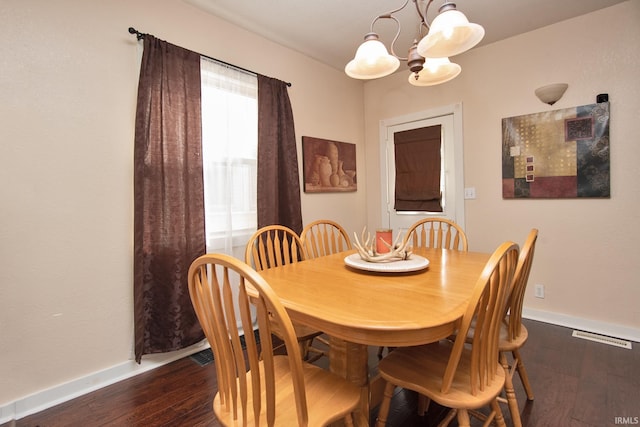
<point>229,152</point>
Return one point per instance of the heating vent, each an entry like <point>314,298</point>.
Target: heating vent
<point>602,339</point>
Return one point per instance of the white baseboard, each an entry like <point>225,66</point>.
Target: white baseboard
<point>608,329</point>
<point>45,399</point>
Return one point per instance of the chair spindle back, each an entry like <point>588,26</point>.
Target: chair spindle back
<point>437,233</point>
<point>484,314</point>
<point>324,237</point>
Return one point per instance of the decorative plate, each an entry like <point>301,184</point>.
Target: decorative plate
<point>415,263</point>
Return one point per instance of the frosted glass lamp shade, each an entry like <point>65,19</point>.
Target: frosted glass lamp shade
<point>372,60</point>
<point>435,71</point>
<point>450,34</point>
<point>551,94</point>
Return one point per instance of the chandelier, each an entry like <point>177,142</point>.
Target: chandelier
<point>450,33</point>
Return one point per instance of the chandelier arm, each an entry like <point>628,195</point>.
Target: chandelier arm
<point>389,15</point>
<point>393,42</point>
<point>423,16</point>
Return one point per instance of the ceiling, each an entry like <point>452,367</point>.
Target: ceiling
<point>330,31</point>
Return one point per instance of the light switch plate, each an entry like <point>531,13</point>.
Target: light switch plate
<point>470,193</point>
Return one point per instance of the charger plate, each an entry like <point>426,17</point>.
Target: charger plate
<point>414,263</point>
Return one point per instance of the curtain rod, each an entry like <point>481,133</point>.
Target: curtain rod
<point>140,36</point>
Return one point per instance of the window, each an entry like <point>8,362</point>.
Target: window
<point>451,174</point>
<point>229,155</point>
<point>419,169</point>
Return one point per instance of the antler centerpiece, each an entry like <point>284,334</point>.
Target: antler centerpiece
<point>399,250</point>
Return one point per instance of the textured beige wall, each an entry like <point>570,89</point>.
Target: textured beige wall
<point>588,254</point>
<point>68,76</point>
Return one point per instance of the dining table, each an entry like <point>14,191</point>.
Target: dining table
<point>397,306</point>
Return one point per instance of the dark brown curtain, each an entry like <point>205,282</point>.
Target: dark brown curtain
<point>417,153</point>
<point>169,199</point>
<point>278,179</point>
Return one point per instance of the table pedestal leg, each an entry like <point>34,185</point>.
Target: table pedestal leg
<point>350,361</point>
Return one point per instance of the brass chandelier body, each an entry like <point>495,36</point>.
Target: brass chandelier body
<point>449,34</point>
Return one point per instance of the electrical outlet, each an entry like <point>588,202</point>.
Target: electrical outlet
<point>539,290</point>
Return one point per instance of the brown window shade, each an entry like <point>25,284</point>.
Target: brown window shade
<point>417,153</point>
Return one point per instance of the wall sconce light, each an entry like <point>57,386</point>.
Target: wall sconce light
<point>551,94</point>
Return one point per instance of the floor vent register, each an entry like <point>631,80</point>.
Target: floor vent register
<point>617,342</point>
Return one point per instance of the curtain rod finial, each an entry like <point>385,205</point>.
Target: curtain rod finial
<point>138,34</point>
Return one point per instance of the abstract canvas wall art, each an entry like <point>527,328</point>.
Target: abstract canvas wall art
<point>557,154</point>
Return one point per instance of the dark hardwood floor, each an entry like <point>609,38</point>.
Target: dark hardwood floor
<point>576,383</point>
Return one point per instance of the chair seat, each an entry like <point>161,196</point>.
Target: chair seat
<point>324,389</point>
<point>422,368</point>
<point>510,345</point>
<point>505,343</point>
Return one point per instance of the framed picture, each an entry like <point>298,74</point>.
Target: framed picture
<point>557,154</point>
<point>328,166</point>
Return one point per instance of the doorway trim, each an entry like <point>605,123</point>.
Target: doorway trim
<point>457,177</point>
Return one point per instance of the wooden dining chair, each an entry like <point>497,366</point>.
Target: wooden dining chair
<point>321,238</point>
<point>513,333</point>
<point>437,233</point>
<point>255,385</point>
<point>324,237</point>
<point>275,246</point>
<point>456,374</point>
